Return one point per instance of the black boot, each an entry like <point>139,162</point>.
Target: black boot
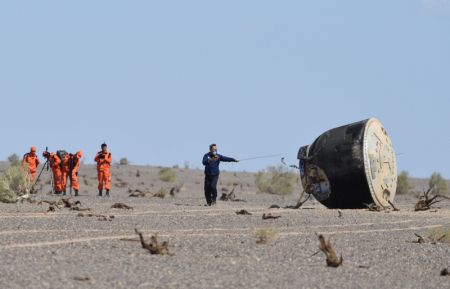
<point>107,193</point>
<point>100,192</point>
<point>76,193</point>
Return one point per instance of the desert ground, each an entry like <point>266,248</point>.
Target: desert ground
<point>213,247</point>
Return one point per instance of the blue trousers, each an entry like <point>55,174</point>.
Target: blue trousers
<point>211,188</point>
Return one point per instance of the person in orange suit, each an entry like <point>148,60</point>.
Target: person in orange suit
<point>73,165</point>
<point>65,171</point>
<point>30,161</point>
<point>55,164</point>
<point>104,160</point>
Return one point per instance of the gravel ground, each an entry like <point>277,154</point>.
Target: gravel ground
<point>212,246</point>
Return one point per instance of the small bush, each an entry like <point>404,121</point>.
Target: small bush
<point>276,180</point>
<point>14,183</point>
<point>440,234</point>
<point>264,235</point>
<point>124,162</point>
<point>162,193</point>
<point>14,160</point>
<point>167,175</point>
<point>439,184</point>
<point>403,185</point>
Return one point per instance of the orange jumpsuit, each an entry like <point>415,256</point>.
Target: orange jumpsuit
<point>31,161</point>
<point>55,164</point>
<point>65,171</point>
<point>103,170</point>
<point>75,159</point>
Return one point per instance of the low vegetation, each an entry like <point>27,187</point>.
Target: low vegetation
<point>14,183</point>
<point>153,246</point>
<point>124,162</point>
<point>14,160</point>
<point>265,235</point>
<point>276,180</point>
<point>121,206</point>
<point>167,175</point>
<point>438,184</point>
<point>162,193</point>
<point>332,258</point>
<point>440,234</point>
<point>426,201</point>
<point>403,185</point>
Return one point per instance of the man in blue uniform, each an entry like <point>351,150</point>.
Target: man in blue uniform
<point>211,162</point>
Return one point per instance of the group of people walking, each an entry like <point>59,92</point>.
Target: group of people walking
<point>65,168</point>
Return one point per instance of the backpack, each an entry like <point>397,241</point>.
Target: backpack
<point>73,161</point>
<point>62,156</point>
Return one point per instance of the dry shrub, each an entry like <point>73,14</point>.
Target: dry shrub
<point>154,247</point>
<point>231,196</point>
<point>121,206</point>
<point>176,189</point>
<point>162,193</point>
<point>332,258</point>
<point>439,184</point>
<point>264,235</point>
<point>425,201</point>
<point>243,212</point>
<point>167,175</point>
<point>442,235</point>
<point>14,183</point>
<point>403,185</point>
<point>14,160</point>
<point>276,180</point>
<point>137,193</point>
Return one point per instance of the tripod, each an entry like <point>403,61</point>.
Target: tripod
<point>45,167</point>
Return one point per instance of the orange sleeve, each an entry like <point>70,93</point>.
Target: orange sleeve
<point>37,161</point>
<point>56,160</point>
<point>96,158</point>
<point>78,160</point>
<point>108,158</point>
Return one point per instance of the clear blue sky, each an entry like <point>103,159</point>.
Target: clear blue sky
<point>161,80</point>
